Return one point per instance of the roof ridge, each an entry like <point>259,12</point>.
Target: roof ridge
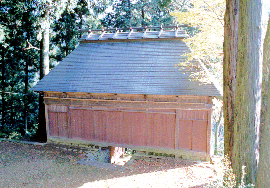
<point>153,32</point>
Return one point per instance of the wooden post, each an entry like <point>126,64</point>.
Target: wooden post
<point>116,153</point>
<point>177,128</point>
<point>47,120</point>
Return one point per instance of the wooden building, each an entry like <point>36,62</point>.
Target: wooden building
<point>124,89</point>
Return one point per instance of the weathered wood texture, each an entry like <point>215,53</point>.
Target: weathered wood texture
<point>248,91</point>
<point>229,72</point>
<point>133,123</point>
<point>263,173</point>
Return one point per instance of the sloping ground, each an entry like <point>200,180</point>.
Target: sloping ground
<point>27,165</point>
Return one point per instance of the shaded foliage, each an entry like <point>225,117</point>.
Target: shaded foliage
<point>129,13</point>
<point>21,26</point>
<point>18,68</point>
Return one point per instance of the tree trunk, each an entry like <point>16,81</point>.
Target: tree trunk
<point>44,70</point>
<point>248,91</point>
<point>263,174</point>
<point>26,93</point>
<point>3,85</point>
<point>44,51</point>
<point>129,13</point>
<point>229,72</point>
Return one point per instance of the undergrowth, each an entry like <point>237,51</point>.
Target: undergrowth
<point>226,177</point>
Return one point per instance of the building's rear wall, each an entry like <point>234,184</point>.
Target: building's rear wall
<point>183,129</point>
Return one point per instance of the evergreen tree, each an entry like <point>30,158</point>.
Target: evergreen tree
<point>128,13</point>
<point>18,104</point>
<point>229,73</point>
<point>263,173</point>
<point>245,93</point>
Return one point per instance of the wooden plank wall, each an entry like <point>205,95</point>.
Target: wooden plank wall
<point>167,127</point>
<point>154,129</point>
<point>151,129</point>
<point>193,130</point>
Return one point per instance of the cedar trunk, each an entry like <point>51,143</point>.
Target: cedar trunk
<point>44,70</point>
<point>248,91</point>
<point>229,72</point>
<point>263,174</point>
<point>3,87</point>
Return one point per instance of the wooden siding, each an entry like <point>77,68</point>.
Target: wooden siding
<point>147,123</point>
<point>58,124</point>
<point>155,129</point>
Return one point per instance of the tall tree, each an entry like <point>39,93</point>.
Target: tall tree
<point>60,21</point>
<point>18,22</point>
<point>248,91</point>
<point>43,70</point>
<point>263,174</point>
<point>229,72</point>
<point>206,20</point>
<point>133,13</point>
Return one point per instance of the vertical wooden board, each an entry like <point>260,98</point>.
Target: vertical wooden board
<point>150,130</point>
<point>100,121</point>
<point>154,129</point>
<point>180,114</point>
<point>133,120</point>
<point>143,128</point>
<point>88,125</point>
<point>185,134</point>
<point>125,127</point>
<point>113,126</point>
<point>119,127</point>
<point>62,123</point>
<point>72,123</point>
<point>47,121</point>
<point>196,114</point>
<point>161,130</point>
<point>203,115</point>
<point>199,135</point>
<point>170,130</point>
<point>209,131</point>
<point>184,114</point>
<point>76,123</point>
<point>162,133</point>
<point>138,128</point>
<point>190,114</point>
<point>53,123</point>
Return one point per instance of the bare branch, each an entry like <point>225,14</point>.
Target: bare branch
<point>30,46</point>
<point>214,13</point>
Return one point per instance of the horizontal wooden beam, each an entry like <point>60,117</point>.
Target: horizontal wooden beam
<point>126,104</point>
<point>131,97</point>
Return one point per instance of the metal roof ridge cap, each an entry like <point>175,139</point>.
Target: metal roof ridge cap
<point>130,32</point>
<point>114,36</point>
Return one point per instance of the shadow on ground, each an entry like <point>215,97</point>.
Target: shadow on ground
<point>27,165</point>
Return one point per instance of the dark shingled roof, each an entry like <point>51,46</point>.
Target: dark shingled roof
<point>126,67</point>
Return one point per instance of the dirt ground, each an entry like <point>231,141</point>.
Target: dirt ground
<point>28,165</point>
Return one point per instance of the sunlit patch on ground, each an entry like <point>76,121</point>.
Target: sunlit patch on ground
<point>24,165</point>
